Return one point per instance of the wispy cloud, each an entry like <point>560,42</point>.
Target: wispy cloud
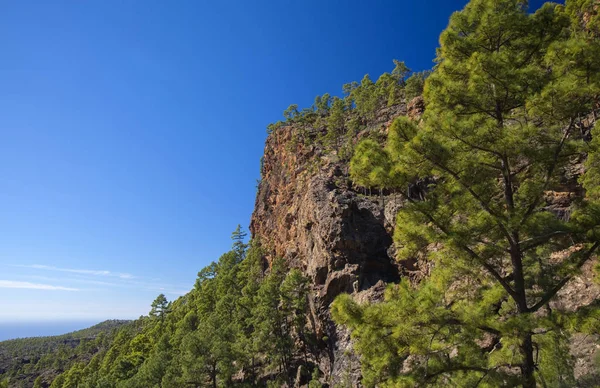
<point>99,278</point>
<point>83,280</point>
<point>171,289</point>
<point>33,286</point>
<point>120,275</point>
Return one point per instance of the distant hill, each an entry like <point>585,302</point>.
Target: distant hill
<point>23,360</point>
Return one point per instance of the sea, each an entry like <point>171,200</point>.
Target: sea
<point>12,330</point>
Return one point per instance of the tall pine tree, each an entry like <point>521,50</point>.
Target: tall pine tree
<point>503,124</point>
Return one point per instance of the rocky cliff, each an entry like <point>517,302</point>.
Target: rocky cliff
<point>309,213</point>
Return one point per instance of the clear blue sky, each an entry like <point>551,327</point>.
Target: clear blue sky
<point>131,132</point>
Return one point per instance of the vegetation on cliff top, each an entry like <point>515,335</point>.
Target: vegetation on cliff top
<point>338,120</point>
<point>506,119</point>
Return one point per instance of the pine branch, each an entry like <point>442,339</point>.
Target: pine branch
<point>489,268</point>
<point>534,242</point>
<point>497,218</point>
<point>549,173</point>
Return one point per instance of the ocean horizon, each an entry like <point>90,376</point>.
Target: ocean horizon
<point>14,330</point>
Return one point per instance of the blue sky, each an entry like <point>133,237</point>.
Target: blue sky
<point>131,132</point>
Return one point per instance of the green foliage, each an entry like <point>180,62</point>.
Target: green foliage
<point>332,123</point>
<point>591,180</point>
<point>585,15</point>
<point>58,382</point>
<point>335,121</point>
<point>291,112</point>
<point>336,118</point>
<point>322,104</point>
<point>314,381</point>
<point>365,97</point>
<point>37,383</point>
<point>239,247</point>
<point>368,97</point>
<point>507,108</point>
<point>400,71</point>
<point>503,117</point>
<point>342,117</point>
<point>160,307</point>
<point>415,84</point>
<point>370,165</point>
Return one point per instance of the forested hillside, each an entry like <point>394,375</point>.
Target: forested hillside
<point>424,229</point>
<point>238,325</point>
<point>37,361</point>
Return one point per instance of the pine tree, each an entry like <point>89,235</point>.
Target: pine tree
<point>294,303</point>
<point>322,104</point>
<point>415,84</point>
<point>335,121</point>
<point>291,113</point>
<point>239,247</point>
<point>160,307</point>
<point>400,71</point>
<point>74,376</point>
<point>200,359</point>
<point>370,165</point>
<point>500,129</point>
<point>272,335</point>
<point>58,382</point>
<point>365,97</point>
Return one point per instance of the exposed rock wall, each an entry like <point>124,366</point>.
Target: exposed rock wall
<point>307,213</point>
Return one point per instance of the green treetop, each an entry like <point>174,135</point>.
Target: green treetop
<point>370,165</point>
<point>400,71</point>
<point>415,84</point>
<point>239,247</point>
<point>160,307</point>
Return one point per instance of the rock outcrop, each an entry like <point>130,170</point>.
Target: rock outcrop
<point>308,213</point>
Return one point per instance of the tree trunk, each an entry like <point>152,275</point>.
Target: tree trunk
<point>214,376</point>
<point>528,366</point>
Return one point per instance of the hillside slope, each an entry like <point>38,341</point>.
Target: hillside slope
<point>23,360</point>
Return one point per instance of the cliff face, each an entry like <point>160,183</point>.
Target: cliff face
<point>308,213</point>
